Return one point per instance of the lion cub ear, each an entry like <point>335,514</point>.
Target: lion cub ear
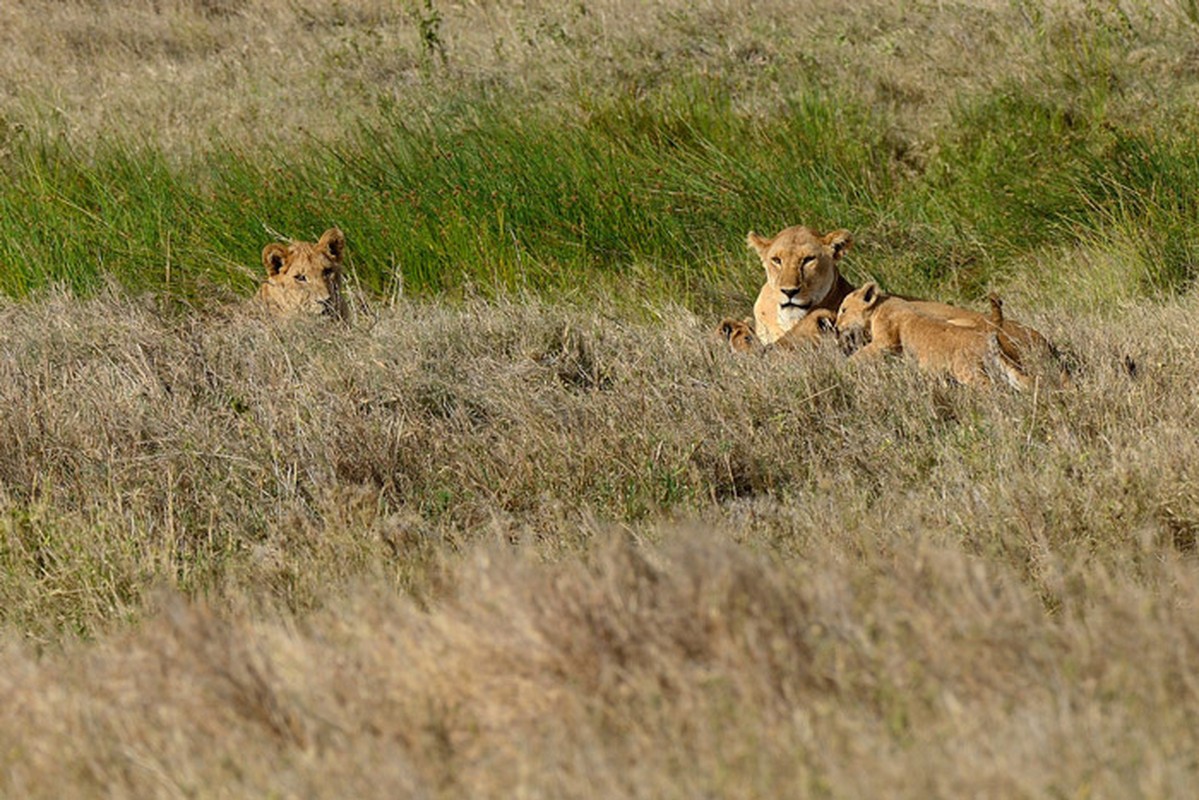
<point>758,243</point>
<point>274,257</point>
<point>838,241</point>
<point>333,242</point>
<point>871,294</point>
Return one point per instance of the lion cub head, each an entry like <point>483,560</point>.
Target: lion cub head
<point>801,272</point>
<point>304,278</point>
<point>739,335</point>
<point>853,317</point>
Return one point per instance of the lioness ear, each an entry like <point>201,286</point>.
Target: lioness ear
<point>333,242</point>
<point>870,294</point>
<point>838,241</point>
<point>273,258</point>
<point>758,243</point>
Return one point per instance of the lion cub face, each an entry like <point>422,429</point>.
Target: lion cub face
<point>853,318</point>
<point>801,267</point>
<point>305,278</point>
<point>739,335</point>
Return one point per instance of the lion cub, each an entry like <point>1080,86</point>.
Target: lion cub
<point>958,348</point>
<point>815,327</point>
<point>305,278</point>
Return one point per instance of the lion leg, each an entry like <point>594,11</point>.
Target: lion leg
<point>814,328</point>
<point>872,351</point>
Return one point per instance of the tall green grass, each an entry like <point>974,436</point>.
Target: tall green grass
<point>496,199</point>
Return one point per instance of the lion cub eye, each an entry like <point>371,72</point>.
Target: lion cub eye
<point>778,261</point>
<point>328,272</point>
<point>301,278</point>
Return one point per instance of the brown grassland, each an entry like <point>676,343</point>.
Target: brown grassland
<point>526,548</point>
<point>869,583</point>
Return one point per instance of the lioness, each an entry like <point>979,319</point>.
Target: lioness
<point>801,275</point>
<point>969,353</point>
<point>305,278</point>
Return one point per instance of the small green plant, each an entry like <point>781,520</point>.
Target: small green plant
<point>428,20</point>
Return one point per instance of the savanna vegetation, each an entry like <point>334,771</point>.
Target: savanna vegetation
<point>524,527</point>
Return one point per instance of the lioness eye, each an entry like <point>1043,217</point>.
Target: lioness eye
<point>808,260</point>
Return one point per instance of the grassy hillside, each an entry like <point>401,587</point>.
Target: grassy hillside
<point>524,528</point>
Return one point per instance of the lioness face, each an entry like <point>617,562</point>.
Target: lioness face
<point>305,278</point>
<point>801,267</point>
<point>853,318</point>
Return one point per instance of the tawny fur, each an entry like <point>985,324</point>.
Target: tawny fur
<point>739,334</point>
<point>814,328</point>
<point>304,278</point>
<point>969,354</point>
<point>802,276</point>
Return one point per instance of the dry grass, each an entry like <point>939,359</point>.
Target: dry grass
<point>873,584</point>
<point>516,549</point>
<point>864,667</point>
<point>181,72</point>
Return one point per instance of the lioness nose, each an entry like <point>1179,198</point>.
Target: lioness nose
<point>790,293</point>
